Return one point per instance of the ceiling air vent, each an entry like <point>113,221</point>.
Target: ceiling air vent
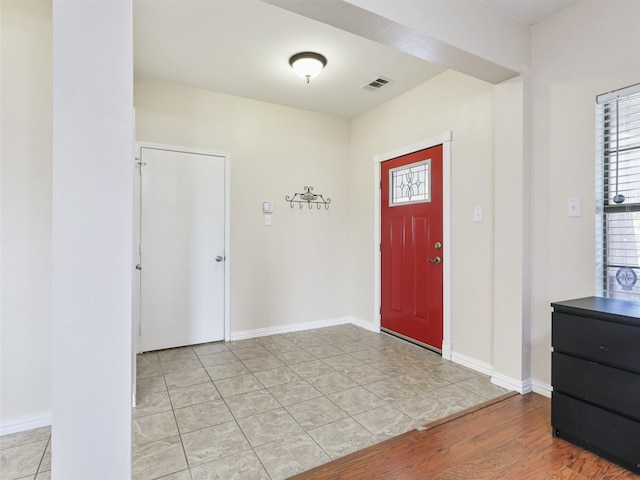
<point>376,84</point>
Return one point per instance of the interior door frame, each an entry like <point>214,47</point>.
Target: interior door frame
<point>445,141</point>
<point>227,230</point>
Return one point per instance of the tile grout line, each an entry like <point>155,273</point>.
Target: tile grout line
<point>42,458</point>
<point>184,450</point>
<point>286,408</point>
<point>166,386</point>
<point>385,351</point>
<point>251,448</point>
<point>288,413</point>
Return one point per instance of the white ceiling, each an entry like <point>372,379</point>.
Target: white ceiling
<point>531,11</point>
<point>242,48</point>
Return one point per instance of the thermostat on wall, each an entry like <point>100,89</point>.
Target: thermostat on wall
<point>266,207</point>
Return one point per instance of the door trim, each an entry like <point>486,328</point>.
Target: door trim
<point>227,229</point>
<point>445,141</point>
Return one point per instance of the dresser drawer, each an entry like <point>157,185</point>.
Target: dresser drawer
<point>608,343</point>
<point>612,389</point>
<point>604,433</point>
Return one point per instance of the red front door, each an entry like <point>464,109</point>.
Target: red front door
<point>411,247</point>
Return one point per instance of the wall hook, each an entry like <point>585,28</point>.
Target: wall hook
<point>309,198</point>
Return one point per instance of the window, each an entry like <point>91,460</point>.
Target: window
<point>410,184</point>
<point>618,194</point>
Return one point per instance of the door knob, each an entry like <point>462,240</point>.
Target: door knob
<point>219,258</point>
<point>434,260</point>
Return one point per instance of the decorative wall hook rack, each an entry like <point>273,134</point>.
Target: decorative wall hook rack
<point>309,198</point>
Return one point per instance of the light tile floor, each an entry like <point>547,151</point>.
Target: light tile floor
<point>272,407</point>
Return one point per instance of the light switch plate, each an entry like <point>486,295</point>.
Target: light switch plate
<point>574,207</point>
<point>267,219</point>
<point>478,214</point>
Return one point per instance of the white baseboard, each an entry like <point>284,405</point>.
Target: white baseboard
<point>27,422</point>
<point>471,363</point>
<point>363,324</point>
<point>520,386</point>
<point>541,388</point>
<point>446,350</point>
<point>298,327</point>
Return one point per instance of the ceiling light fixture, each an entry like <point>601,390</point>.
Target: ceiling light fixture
<point>307,64</point>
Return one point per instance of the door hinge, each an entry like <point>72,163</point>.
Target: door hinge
<point>380,184</point>
<point>380,311</point>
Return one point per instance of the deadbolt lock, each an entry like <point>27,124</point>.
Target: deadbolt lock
<point>438,245</point>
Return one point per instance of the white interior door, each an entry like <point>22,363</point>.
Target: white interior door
<point>182,248</point>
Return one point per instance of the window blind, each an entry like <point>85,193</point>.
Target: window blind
<point>618,193</point>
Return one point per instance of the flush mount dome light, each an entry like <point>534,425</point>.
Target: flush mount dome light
<point>307,64</point>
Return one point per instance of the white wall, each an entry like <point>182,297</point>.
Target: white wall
<point>511,281</point>
<point>450,101</point>
<point>571,63</point>
<point>26,148</point>
<point>297,269</point>
<point>92,239</point>
<point>588,49</point>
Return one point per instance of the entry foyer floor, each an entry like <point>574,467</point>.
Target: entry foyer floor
<point>272,407</point>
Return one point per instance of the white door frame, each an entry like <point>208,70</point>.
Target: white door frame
<point>227,230</point>
<point>445,141</point>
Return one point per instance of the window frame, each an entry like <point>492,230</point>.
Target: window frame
<point>392,186</point>
<point>608,150</point>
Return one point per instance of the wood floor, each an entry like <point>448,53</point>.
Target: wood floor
<point>508,439</point>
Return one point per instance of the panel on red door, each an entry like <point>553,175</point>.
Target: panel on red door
<point>411,236</point>
<point>396,270</point>
<point>420,272</point>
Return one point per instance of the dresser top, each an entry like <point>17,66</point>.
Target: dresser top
<point>611,309</point>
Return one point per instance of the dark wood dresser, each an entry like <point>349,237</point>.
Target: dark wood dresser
<point>595,375</point>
